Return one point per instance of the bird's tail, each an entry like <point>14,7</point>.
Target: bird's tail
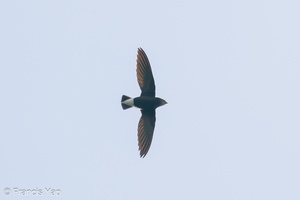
<point>124,105</point>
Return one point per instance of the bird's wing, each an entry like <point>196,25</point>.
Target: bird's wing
<point>145,131</point>
<point>144,74</point>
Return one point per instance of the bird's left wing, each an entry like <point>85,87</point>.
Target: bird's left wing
<point>144,74</point>
<point>145,131</point>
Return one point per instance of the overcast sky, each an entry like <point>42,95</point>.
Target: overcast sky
<point>229,70</point>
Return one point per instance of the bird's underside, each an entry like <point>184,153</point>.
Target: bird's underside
<point>147,121</point>
<point>147,102</point>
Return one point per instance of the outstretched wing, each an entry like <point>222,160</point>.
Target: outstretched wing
<point>145,131</point>
<point>144,74</point>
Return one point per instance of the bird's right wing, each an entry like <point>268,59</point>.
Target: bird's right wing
<point>145,131</point>
<point>144,74</point>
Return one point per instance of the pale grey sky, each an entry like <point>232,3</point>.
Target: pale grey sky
<point>229,71</point>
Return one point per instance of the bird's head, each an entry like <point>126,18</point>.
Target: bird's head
<point>162,102</point>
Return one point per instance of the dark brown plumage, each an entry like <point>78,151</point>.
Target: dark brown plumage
<point>147,102</point>
<point>144,74</point>
<point>145,131</point>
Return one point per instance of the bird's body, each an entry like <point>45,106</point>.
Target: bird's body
<point>146,102</point>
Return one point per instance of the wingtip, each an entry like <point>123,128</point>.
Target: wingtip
<point>140,49</point>
<point>143,155</point>
<point>144,152</point>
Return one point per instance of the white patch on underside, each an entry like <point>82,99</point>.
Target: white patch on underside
<point>129,102</point>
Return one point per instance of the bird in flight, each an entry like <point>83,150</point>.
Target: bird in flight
<point>146,102</point>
